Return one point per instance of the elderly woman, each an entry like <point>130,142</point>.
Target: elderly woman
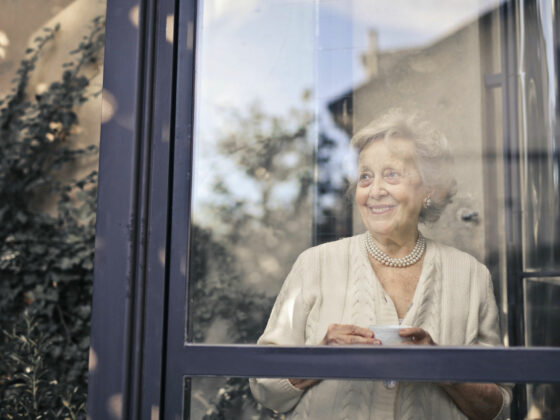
<point>389,275</point>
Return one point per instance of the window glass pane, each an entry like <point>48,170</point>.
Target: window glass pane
<point>254,163</point>
<point>51,67</point>
<point>542,311</point>
<point>281,89</point>
<point>540,145</point>
<point>231,398</point>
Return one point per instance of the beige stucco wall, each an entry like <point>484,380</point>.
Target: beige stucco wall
<point>442,83</point>
<point>75,22</point>
<point>18,20</point>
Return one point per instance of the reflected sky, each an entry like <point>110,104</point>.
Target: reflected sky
<point>270,44</point>
<point>270,51</point>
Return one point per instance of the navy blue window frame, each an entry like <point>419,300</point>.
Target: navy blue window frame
<point>140,354</point>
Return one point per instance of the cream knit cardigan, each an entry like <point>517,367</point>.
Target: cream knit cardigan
<point>334,283</point>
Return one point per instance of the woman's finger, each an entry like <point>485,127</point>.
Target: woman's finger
<point>345,339</point>
<point>355,330</point>
<point>413,331</point>
<point>346,334</point>
<point>303,383</point>
<point>350,330</point>
<point>356,339</point>
<point>341,338</point>
<point>416,336</point>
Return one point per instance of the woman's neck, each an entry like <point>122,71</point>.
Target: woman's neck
<point>396,246</point>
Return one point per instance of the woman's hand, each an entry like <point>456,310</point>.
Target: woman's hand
<point>417,336</point>
<point>303,383</point>
<point>476,400</point>
<point>344,334</point>
<point>339,335</point>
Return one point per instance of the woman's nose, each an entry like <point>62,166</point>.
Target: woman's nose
<point>377,189</point>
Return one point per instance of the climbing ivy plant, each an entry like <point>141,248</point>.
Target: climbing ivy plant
<point>46,258</point>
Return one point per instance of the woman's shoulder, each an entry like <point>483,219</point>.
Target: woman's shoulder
<point>330,254</point>
<point>338,247</point>
<point>330,260</point>
<point>455,258</point>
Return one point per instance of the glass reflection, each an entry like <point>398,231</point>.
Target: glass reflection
<point>229,398</point>
<point>540,151</point>
<point>542,311</point>
<point>283,86</point>
<point>544,402</point>
<point>254,161</point>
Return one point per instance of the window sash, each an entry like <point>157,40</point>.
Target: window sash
<point>414,363</point>
<point>411,363</point>
<point>140,305</point>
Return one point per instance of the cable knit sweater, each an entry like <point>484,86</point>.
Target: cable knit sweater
<point>334,283</point>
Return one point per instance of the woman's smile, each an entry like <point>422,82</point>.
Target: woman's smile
<point>381,209</point>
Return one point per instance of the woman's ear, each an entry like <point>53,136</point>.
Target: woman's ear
<point>430,192</point>
<point>428,198</point>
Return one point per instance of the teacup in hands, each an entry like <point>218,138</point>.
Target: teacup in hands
<point>389,334</point>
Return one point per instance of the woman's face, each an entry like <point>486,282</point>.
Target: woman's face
<point>389,194</point>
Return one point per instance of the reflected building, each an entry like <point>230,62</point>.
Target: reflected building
<point>500,117</point>
<point>444,83</point>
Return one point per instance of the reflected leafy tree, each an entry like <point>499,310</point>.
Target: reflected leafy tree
<point>245,241</point>
<point>217,292</point>
<point>247,233</point>
<point>334,195</point>
<point>271,151</point>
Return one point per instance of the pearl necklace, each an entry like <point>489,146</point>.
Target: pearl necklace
<point>384,259</point>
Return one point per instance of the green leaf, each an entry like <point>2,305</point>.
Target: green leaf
<point>66,263</point>
<point>21,217</point>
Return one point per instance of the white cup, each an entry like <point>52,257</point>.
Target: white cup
<point>389,334</point>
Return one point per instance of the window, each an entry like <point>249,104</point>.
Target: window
<point>266,97</point>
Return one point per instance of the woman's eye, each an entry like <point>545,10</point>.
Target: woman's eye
<point>392,174</point>
<point>364,178</point>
